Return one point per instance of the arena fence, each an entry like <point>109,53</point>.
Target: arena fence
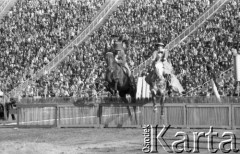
<point>37,115</point>
<point>83,100</point>
<point>78,116</point>
<point>107,113</point>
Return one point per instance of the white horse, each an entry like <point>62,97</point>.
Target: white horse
<point>158,84</point>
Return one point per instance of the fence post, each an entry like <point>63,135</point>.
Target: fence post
<point>18,108</point>
<point>165,118</point>
<point>56,116</point>
<point>4,109</point>
<point>99,115</point>
<point>231,116</point>
<point>185,115</point>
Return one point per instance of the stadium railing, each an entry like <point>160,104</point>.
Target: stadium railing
<point>208,82</point>
<point>3,5</point>
<point>191,29</point>
<point>68,49</point>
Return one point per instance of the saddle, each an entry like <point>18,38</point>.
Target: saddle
<point>125,70</point>
<point>151,77</point>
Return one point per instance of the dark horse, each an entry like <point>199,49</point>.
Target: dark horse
<point>6,108</point>
<point>118,80</point>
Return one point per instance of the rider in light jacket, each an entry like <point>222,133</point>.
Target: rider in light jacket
<point>159,57</point>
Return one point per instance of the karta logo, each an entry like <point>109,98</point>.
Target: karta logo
<point>152,138</point>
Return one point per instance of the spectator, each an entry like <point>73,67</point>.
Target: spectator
<point>34,31</point>
<point>141,23</point>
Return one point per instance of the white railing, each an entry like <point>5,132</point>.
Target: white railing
<point>208,82</point>
<point>68,49</point>
<point>3,6</point>
<point>180,38</point>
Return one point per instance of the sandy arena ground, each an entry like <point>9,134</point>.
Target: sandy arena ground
<point>77,141</point>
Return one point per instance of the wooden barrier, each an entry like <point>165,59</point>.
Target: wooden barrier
<point>178,100</point>
<point>235,116</point>
<point>202,116</point>
<point>120,115</point>
<point>176,115</point>
<point>105,113</point>
<point>37,115</point>
<point>78,116</point>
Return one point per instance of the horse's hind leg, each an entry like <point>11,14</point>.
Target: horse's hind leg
<point>133,100</point>
<point>154,100</point>
<point>124,99</point>
<point>162,103</point>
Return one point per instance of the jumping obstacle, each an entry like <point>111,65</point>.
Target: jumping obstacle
<point>199,112</point>
<point>143,88</point>
<point>37,115</point>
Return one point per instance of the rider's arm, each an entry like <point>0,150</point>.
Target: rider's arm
<point>154,56</point>
<point>165,55</point>
<point>116,58</point>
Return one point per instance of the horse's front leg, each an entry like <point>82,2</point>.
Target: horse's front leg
<point>115,87</point>
<point>154,100</point>
<point>162,103</point>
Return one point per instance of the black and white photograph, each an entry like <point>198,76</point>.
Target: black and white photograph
<point>119,76</point>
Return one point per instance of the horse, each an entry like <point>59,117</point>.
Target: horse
<point>10,106</point>
<point>158,85</point>
<point>118,80</point>
<point>6,107</point>
<point>1,112</point>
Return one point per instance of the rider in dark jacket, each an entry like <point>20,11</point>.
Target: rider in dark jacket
<point>120,56</point>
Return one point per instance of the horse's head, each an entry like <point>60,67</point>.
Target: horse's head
<point>109,59</point>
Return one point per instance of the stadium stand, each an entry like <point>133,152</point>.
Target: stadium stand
<point>141,23</point>
<point>140,38</point>
<point>34,31</point>
<point>210,52</point>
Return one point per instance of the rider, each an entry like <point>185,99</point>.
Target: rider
<point>120,58</point>
<point>114,40</point>
<point>159,57</point>
<point>109,47</point>
<point>163,67</point>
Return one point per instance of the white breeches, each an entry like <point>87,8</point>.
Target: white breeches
<point>159,69</point>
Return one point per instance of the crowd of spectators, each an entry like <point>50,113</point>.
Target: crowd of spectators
<point>34,31</point>
<point>139,22</point>
<point>142,23</point>
<point>209,52</point>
